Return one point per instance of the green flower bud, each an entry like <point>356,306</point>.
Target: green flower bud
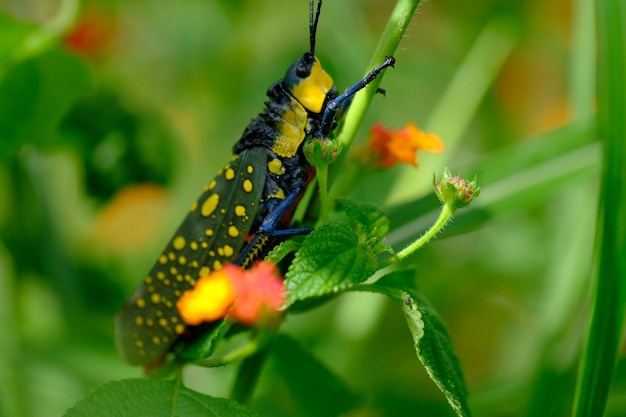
<point>321,151</point>
<point>455,190</point>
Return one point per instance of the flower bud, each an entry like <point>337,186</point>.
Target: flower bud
<point>321,151</point>
<point>455,190</point>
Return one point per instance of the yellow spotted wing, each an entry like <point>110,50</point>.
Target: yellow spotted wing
<point>212,234</point>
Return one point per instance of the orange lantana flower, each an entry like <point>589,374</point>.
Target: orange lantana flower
<point>390,147</point>
<point>247,296</point>
<point>260,294</point>
<point>210,299</point>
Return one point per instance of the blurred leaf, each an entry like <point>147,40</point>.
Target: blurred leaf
<point>605,331</point>
<point>205,343</point>
<point>142,397</point>
<point>12,34</point>
<point>35,94</point>
<point>331,259</point>
<point>432,342</point>
<point>120,145</point>
<point>315,390</point>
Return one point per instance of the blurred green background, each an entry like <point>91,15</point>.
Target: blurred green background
<point>111,123</point>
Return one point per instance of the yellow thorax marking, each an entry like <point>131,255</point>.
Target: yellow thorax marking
<point>275,166</point>
<point>291,128</point>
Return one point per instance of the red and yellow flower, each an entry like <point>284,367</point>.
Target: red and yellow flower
<point>248,296</point>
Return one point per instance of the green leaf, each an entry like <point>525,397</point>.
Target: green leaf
<point>605,332</point>
<point>206,342</point>
<point>332,259</point>
<point>12,34</point>
<point>280,251</point>
<point>143,397</point>
<point>35,94</point>
<point>432,342</point>
<point>315,390</point>
<point>373,218</point>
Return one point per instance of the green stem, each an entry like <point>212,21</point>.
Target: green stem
<point>390,39</point>
<point>322,179</point>
<point>444,217</point>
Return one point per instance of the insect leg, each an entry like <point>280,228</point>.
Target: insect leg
<point>334,105</point>
<point>267,228</point>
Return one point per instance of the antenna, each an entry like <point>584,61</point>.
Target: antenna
<point>313,22</point>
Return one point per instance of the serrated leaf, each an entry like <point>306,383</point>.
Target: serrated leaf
<point>149,398</point>
<point>315,390</point>
<point>281,250</point>
<point>431,339</point>
<point>370,216</point>
<point>332,258</point>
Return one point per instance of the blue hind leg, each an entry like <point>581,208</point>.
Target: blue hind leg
<point>267,228</point>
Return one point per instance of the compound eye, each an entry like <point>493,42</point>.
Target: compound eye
<point>303,70</point>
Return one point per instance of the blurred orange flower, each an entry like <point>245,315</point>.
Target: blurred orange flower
<point>94,32</point>
<point>247,296</point>
<point>210,299</point>
<point>390,147</point>
<point>260,294</point>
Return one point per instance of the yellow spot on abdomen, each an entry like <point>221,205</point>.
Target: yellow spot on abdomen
<point>141,303</point>
<point>250,169</point>
<point>247,185</point>
<point>178,243</point>
<point>155,298</point>
<point>229,174</point>
<point>204,271</point>
<point>210,204</point>
<point>194,206</point>
<point>233,231</point>
<point>162,259</point>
